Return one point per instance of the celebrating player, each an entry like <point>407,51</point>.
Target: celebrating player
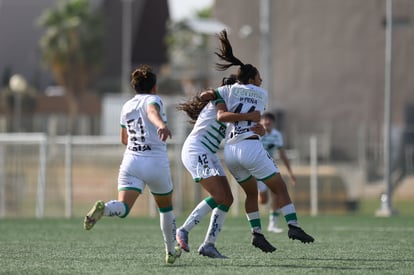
<point>244,154</point>
<point>144,132</point>
<point>199,157</point>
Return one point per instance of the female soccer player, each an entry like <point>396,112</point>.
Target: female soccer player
<point>271,141</point>
<point>144,132</point>
<point>200,159</point>
<point>244,154</point>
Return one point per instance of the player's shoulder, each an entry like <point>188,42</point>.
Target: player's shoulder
<point>152,99</point>
<point>129,102</point>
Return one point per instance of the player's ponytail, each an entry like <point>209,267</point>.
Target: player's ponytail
<point>192,107</point>
<point>225,53</point>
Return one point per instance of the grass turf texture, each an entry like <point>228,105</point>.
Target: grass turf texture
<point>360,244</point>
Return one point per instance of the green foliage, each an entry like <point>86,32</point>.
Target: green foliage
<point>72,42</point>
<point>180,38</point>
<point>204,13</point>
<point>344,245</point>
<point>182,42</point>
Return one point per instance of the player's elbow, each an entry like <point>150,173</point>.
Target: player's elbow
<point>221,116</point>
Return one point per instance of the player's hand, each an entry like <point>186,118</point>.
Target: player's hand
<point>207,95</point>
<point>164,133</point>
<point>258,129</point>
<point>254,116</point>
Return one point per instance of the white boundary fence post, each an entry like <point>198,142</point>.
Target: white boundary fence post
<point>41,187</point>
<point>68,177</point>
<point>2,183</point>
<point>313,176</point>
<point>36,139</point>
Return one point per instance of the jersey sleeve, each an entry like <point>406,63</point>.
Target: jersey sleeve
<point>222,94</point>
<point>154,100</point>
<point>279,139</point>
<point>122,120</point>
<point>157,101</point>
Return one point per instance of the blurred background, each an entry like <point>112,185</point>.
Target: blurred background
<point>337,72</point>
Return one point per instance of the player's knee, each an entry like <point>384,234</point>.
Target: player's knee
<point>224,199</point>
<point>229,200</point>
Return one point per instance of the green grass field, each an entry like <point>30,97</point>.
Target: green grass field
<point>360,244</point>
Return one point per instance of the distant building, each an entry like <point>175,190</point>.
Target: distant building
<point>19,34</point>
<point>20,54</point>
<point>328,67</point>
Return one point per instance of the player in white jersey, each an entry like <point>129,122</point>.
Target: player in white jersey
<point>144,131</point>
<point>199,158</point>
<point>244,154</point>
<point>272,141</point>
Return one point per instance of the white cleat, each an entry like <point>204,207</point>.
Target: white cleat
<point>274,229</point>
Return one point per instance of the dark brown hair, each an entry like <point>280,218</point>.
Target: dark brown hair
<point>143,79</point>
<point>229,80</point>
<point>245,71</point>
<point>192,107</point>
<point>269,116</point>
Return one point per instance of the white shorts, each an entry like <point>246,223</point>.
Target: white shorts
<point>200,162</point>
<point>136,172</point>
<point>249,158</point>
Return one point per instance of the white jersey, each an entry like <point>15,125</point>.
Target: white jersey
<point>199,149</point>
<point>207,132</point>
<point>272,141</point>
<point>242,98</point>
<point>142,133</point>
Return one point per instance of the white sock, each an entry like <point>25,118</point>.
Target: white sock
<point>289,212</point>
<point>216,223</point>
<point>273,217</point>
<point>115,208</point>
<point>254,221</point>
<point>196,216</point>
<point>168,228</point>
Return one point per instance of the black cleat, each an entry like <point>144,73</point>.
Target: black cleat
<point>259,241</point>
<point>297,233</point>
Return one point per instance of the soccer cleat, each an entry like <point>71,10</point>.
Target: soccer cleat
<point>170,257</point>
<point>182,239</point>
<point>259,241</point>
<point>274,229</point>
<point>209,250</point>
<point>94,215</point>
<point>297,233</point>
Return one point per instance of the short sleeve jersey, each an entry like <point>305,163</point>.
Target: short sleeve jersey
<point>208,131</point>
<point>242,98</point>
<point>142,133</point>
<point>272,141</point>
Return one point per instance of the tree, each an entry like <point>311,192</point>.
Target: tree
<point>72,48</point>
<point>188,49</point>
<point>183,42</point>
